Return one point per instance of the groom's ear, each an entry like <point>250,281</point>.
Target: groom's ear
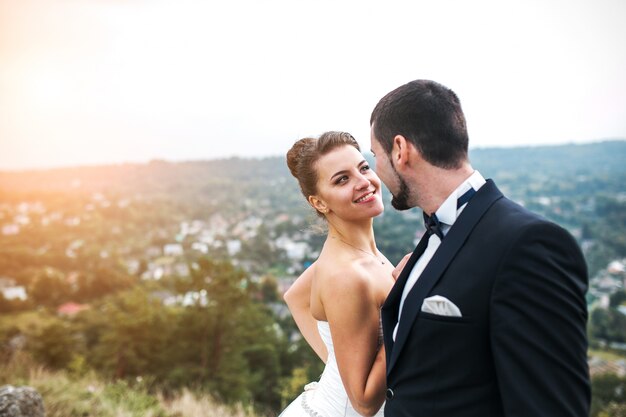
<point>318,204</point>
<point>400,151</point>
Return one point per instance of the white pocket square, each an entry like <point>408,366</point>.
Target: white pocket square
<point>440,306</point>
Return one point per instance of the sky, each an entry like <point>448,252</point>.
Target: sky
<point>86,82</point>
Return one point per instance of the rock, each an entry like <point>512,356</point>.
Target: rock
<point>20,402</point>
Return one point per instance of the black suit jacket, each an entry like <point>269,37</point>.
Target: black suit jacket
<point>520,347</point>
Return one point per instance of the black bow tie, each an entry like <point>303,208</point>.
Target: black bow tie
<point>432,223</point>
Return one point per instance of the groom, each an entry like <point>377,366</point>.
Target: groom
<point>488,316</point>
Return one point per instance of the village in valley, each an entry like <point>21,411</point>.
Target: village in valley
<point>69,238</point>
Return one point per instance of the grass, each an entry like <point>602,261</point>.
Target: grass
<point>68,395</point>
<point>607,355</point>
<point>188,404</point>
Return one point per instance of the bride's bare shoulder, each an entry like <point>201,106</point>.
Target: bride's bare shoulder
<point>343,276</point>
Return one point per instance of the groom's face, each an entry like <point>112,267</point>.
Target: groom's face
<point>389,176</point>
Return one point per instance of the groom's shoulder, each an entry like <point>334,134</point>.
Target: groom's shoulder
<point>514,210</point>
<point>516,217</point>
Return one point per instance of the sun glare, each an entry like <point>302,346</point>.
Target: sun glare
<point>44,90</point>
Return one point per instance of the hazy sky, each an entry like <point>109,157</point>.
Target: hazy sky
<point>108,81</point>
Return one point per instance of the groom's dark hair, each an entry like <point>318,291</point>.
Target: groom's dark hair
<point>427,114</point>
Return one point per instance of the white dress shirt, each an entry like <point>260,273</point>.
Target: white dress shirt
<point>447,214</point>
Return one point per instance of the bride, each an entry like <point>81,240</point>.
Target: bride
<point>336,302</point>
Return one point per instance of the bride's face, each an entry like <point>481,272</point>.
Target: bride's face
<point>347,186</point>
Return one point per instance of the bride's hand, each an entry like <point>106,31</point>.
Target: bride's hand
<point>396,272</point>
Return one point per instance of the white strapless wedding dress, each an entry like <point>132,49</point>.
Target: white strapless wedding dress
<point>326,398</point>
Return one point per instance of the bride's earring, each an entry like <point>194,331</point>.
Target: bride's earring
<point>318,205</point>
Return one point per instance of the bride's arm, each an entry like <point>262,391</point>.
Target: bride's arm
<point>298,299</point>
<point>352,311</point>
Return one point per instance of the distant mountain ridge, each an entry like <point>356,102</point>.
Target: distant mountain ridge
<point>608,157</point>
<point>571,159</point>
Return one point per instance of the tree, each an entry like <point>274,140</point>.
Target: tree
<point>54,344</point>
<point>230,344</point>
<point>49,288</point>
<point>608,324</point>
<point>268,288</point>
<point>607,391</point>
<point>617,298</point>
<point>226,343</point>
<point>133,337</point>
<point>102,280</point>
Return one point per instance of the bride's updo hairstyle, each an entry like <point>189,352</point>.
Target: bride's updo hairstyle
<point>304,154</point>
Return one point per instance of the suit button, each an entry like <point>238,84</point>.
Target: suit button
<point>389,394</point>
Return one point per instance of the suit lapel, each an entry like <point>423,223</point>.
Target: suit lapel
<point>389,310</point>
<point>451,244</point>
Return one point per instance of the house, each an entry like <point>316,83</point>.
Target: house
<point>200,247</point>
<point>207,237</point>
<point>233,246</point>
<point>247,228</point>
<point>153,271</point>
<point>616,268</point>
<point>190,298</point>
<point>193,228</point>
<point>11,291</point>
<point>10,229</point>
<point>71,309</point>
<point>218,224</point>
<point>173,249</point>
<point>294,250</point>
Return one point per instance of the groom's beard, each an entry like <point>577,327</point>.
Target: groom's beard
<point>400,201</point>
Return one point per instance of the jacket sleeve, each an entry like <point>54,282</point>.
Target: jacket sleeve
<point>538,322</point>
